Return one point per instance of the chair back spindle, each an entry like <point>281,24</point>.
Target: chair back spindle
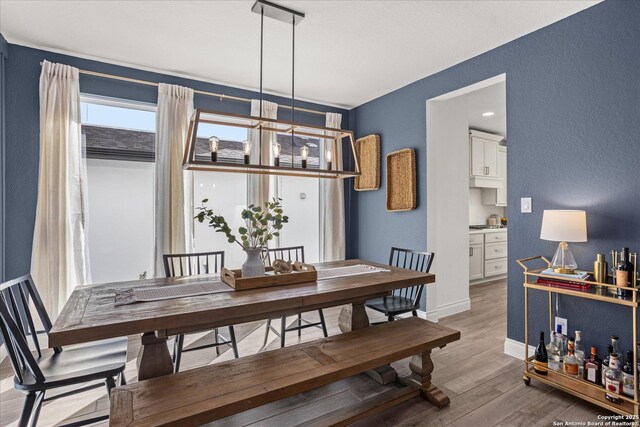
<point>193,264</point>
<point>291,253</point>
<point>17,325</point>
<point>412,260</point>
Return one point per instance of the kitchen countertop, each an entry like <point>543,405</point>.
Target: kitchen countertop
<point>488,230</point>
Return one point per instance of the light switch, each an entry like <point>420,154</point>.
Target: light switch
<point>303,196</point>
<point>525,205</point>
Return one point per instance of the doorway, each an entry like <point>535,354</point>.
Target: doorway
<point>461,192</point>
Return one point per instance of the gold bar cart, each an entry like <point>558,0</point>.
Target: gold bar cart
<point>558,379</point>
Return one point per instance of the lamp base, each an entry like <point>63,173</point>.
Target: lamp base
<point>563,261</point>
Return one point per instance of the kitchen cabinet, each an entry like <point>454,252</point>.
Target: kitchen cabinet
<point>487,254</point>
<point>476,256</point>
<point>498,196</point>
<point>483,160</point>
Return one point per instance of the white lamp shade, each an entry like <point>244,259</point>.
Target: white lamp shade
<point>564,226</point>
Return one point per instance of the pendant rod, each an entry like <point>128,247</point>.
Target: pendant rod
<point>221,96</point>
<point>293,81</point>
<point>260,107</point>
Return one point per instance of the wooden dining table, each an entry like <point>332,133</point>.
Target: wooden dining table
<point>90,314</point>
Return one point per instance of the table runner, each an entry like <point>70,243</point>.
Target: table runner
<point>131,296</point>
<point>134,295</point>
<point>350,270</point>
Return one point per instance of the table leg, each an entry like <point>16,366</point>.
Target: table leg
<point>353,317</point>
<point>421,367</point>
<point>153,358</point>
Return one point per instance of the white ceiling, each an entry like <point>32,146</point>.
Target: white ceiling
<point>490,99</point>
<point>347,52</point>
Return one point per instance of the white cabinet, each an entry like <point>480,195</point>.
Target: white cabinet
<point>476,262</point>
<point>487,254</point>
<point>483,160</point>
<point>498,196</point>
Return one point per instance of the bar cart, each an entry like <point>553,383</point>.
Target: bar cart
<point>577,386</point>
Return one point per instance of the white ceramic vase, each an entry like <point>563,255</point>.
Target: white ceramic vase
<point>253,266</point>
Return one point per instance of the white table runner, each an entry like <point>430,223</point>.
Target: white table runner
<point>131,296</point>
<point>351,270</point>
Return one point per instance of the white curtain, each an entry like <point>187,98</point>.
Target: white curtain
<point>332,245</point>
<point>258,186</point>
<point>59,260</point>
<point>173,202</point>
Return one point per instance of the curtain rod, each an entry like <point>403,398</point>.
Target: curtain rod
<point>222,96</point>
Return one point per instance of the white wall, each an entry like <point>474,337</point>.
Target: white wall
<point>120,220</point>
<point>448,205</point>
<point>478,213</point>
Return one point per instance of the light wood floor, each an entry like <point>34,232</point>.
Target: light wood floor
<point>484,384</point>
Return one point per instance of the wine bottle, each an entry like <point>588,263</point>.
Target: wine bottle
<point>613,379</point>
<point>624,272</point>
<point>541,359</point>
<point>627,375</point>
<point>593,367</point>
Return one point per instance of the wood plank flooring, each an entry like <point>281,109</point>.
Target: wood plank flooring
<point>484,384</point>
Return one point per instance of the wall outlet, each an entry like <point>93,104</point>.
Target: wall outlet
<point>563,323</point>
<point>525,205</point>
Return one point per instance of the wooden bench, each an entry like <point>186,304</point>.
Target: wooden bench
<point>216,391</point>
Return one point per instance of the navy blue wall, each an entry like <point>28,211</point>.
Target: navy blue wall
<point>4,51</point>
<point>573,119</point>
<point>22,129</point>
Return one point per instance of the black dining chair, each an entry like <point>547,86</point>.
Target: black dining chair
<point>405,300</point>
<point>35,374</point>
<point>176,265</point>
<point>293,254</point>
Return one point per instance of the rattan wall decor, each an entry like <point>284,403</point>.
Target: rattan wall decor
<point>401,180</point>
<point>368,152</point>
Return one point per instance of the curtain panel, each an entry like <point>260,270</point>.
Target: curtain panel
<point>332,240</point>
<point>173,204</point>
<point>260,187</point>
<point>59,259</point>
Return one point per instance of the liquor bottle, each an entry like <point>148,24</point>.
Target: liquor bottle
<point>541,359</point>
<point>579,350</point>
<point>624,272</point>
<point>616,347</point>
<point>605,363</point>
<point>593,367</point>
<point>613,379</point>
<point>627,375</point>
<point>553,354</point>
<point>570,360</point>
<point>561,342</point>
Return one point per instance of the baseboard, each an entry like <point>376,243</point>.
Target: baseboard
<point>454,308</point>
<point>421,315</point>
<point>515,348</point>
<point>487,280</point>
<point>3,353</point>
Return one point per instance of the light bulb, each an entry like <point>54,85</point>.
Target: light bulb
<point>329,155</point>
<point>246,147</point>
<point>276,154</point>
<point>304,152</point>
<point>213,144</point>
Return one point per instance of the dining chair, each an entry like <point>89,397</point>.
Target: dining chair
<point>176,265</point>
<point>292,253</point>
<point>405,300</point>
<point>35,374</point>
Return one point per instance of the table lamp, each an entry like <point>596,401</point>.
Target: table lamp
<point>564,226</point>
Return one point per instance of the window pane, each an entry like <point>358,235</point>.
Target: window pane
<point>300,201</point>
<point>227,194</point>
<point>120,192</point>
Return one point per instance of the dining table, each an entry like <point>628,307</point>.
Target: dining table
<point>91,313</point>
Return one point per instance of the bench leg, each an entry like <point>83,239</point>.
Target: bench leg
<point>353,317</point>
<point>421,367</point>
<point>154,359</point>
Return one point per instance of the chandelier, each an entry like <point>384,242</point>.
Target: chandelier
<point>296,149</point>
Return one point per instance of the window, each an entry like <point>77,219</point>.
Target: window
<point>119,139</point>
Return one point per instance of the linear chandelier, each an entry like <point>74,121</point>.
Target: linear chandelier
<point>296,150</point>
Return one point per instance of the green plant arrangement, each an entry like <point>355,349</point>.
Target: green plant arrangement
<point>262,224</point>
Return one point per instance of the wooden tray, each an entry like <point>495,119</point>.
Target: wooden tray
<point>368,152</point>
<point>401,180</point>
<point>302,273</point>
